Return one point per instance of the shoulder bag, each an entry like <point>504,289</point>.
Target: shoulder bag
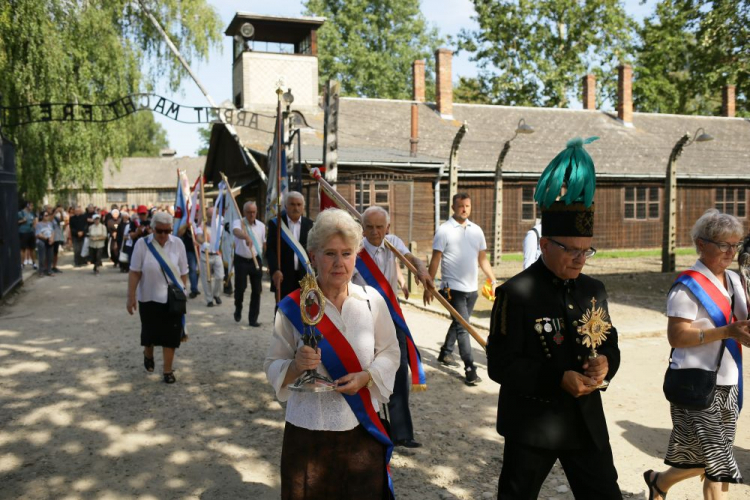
<point>692,388</point>
<point>176,298</point>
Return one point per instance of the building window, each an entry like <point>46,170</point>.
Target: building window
<point>166,195</point>
<point>528,205</point>
<point>117,197</point>
<point>732,201</point>
<point>641,203</point>
<point>369,192</point>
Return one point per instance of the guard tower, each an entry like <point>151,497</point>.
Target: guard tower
<point>267,49</point>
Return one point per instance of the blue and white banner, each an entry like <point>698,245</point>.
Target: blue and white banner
<point>271,192</point>
<point>180,204</point>
<point>217,219</point>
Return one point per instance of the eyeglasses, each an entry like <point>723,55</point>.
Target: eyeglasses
<point>575,252</point>
<point>162,231</point>
<point>724,246</point>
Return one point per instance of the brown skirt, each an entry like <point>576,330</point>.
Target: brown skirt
<point>332,465</point>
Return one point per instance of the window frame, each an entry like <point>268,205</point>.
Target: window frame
<point>721,205</point>
<point>122,192</point>
<point>525,203</point>
<point>646,203</point>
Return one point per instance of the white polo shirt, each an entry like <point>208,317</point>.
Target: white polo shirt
<point>460,245</point>
<point>385,260</point>
<point>681,303</point>
<point>241,247</point>
<point>153,285</point>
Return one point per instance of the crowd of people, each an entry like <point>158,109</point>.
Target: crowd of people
<point>552,346</point>
<point>93,234</point>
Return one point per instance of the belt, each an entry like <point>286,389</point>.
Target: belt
<point>212,253</point>
<point>249,259</point>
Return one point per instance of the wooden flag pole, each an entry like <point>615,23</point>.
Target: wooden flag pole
<point>203,226</point>
<point>345,205</point>
<point>279,92</point>
<point>237,208</point>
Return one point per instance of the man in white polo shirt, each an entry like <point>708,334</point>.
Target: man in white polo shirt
<point>249,247</point>
<point>461,247</point>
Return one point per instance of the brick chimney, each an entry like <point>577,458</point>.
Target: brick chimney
<point>727,101</point>
<point>417,72</point>
<point>589,92</point>
<point>443,82</point>
<point>625,94</point>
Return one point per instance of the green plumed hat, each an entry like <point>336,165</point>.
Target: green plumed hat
<point>572,213</point>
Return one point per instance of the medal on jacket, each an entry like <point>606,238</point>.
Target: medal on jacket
<point>594,327</point>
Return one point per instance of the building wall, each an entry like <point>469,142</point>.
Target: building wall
<point>108,198</point>
<point>260,72</point>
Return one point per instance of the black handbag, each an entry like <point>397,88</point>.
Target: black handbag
<point>176,298</point>
<point>691,388</point>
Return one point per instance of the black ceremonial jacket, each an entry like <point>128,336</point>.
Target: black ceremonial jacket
<point>291,277</point>
<point>533,341</point>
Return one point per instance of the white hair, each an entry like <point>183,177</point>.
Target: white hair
<point>249,204</point>
<point>377,210</point>
<point>334,222</point>
<point>161,218</point>
<point>294,194</point>
<point>716,226</point>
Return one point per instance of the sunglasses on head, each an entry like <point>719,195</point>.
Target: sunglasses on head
<point>162,231</point>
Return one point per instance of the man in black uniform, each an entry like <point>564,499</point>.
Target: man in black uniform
<point>544,322</point>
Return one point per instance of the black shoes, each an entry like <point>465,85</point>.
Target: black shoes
<point>169,378</point>
<point>407,443</point>
<point>218,300</point>
<point>471,376</point>
<point>237,315</point>
<point>194,294</point>
<point>446,359</point>
<point>254,324</point>
<point>210,304</point>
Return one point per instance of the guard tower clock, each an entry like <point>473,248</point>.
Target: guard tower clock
<point>269,49</point>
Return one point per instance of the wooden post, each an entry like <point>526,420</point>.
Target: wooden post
<point>453,165</point>
<point>497,248</point>
<point>410,275</point>
<point>669,236</point>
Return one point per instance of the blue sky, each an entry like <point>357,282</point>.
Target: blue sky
<point>449,16</point>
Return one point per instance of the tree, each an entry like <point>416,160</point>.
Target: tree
<point>205,135</point>
<point>146,137</point>
<point>687,50</point>
<point>369,46</point>
<point>88,51</point>
<point>471,91</point>
<point>535,53</point>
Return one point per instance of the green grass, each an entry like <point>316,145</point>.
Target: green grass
<point>614,254</point>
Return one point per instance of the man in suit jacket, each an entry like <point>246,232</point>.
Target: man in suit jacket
<point>551,348</point>
<point>287,277</point>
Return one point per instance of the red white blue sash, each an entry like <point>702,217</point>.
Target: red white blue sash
<point>339,359</point>
<point>719,309</point>
<point>374,277</point>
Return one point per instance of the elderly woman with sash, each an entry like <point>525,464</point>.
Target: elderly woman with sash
<point>707,310</point>
<point>335,445</point>
<point>157,279</point>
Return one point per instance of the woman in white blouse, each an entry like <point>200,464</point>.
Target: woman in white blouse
<point>158,325</point>
<point>327,453</point>
<point>702,440</point>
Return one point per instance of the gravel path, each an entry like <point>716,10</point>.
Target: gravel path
<point>80,418</point>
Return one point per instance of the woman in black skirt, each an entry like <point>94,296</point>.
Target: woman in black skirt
<point>148,283</point>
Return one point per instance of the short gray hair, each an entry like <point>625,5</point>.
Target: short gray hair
<point>714,225</point>
<point>161,218</point>
<point>294,194</point>
<point>249,204</point>
<point>334,222</point>
<point>377,210</point>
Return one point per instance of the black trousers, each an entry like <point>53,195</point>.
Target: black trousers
<point>590,472</point>
<point>398,406</point>
<point>244,269</point>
